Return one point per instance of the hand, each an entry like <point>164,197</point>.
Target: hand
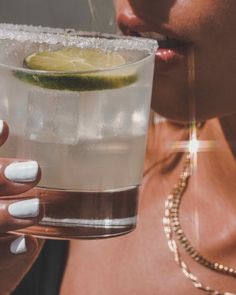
<point>17,252</point>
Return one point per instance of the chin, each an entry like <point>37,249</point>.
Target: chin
<point>170,99</point>
<point>177,116</point>
<point>175,105</point>
<point>173,100</point>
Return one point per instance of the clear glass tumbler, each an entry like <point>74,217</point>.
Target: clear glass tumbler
<point>87,129</point>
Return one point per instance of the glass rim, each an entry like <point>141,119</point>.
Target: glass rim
<point>70,38</point>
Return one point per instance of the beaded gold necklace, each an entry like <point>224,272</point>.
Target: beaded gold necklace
<point>173,229</point>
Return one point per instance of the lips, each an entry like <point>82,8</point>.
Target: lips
<point>172,50</point>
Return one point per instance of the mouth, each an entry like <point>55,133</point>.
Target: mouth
<point>170,52</point>
<point>163,41</point>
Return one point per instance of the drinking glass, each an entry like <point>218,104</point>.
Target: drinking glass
<point>86,129</point>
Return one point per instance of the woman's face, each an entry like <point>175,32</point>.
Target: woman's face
<point>208,26</point>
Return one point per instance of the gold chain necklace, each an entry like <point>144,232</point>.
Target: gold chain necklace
<point>172,229</point>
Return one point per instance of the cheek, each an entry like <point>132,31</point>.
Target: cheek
<point>153,12</point>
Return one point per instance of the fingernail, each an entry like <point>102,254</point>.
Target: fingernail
<point>18,246</point>
<point>24,209</point>
<point>1,126</point>
<point>22,171</point>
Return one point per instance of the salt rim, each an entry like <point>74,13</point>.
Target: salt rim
<point>71,37</point>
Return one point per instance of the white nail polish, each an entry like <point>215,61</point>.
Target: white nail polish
<point>24,209</point>
<point>1,126</point>
<point>22,171</point>
<point>18,246</point>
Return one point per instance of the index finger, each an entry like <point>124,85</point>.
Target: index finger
<point>18,176</point>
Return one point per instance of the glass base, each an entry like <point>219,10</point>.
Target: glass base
<point>86,215</point>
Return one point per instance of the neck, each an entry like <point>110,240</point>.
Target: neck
<point>209,204</point>
<point>216,167</point>
<point>228,124</point>
<point>216,172</point>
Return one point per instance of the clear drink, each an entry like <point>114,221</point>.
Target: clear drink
<point>87,129</point>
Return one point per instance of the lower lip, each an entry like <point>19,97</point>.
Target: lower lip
<point>168,59</point>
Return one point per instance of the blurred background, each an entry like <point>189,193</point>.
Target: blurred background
<point>87,15</point>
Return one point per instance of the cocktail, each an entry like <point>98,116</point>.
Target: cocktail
<point>79,104</point>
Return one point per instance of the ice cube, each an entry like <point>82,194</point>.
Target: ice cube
<point>52,116</point>
<point>91,121</point>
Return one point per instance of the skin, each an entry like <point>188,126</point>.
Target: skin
<point>210,27</point>
<point>141,263</point>
<point>13,267</point>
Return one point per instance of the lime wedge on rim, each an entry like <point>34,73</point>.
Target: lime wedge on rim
<point>77,69</point>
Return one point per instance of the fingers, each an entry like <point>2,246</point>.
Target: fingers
<point>17,255</point>
<point>18,176</point>
<point>18,214</point>
<point>4,131</point>
<point>13,245</point>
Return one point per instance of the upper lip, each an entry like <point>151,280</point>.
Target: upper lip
<point>163,41</point>
<point>133,26</point>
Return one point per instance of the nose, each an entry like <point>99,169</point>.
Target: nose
<point>128,22</point>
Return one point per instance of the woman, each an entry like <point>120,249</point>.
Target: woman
<point>141,262</point>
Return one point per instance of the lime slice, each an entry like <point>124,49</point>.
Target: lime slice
<point>77,60</point>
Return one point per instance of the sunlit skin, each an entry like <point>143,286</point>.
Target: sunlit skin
<point>210,26</point>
